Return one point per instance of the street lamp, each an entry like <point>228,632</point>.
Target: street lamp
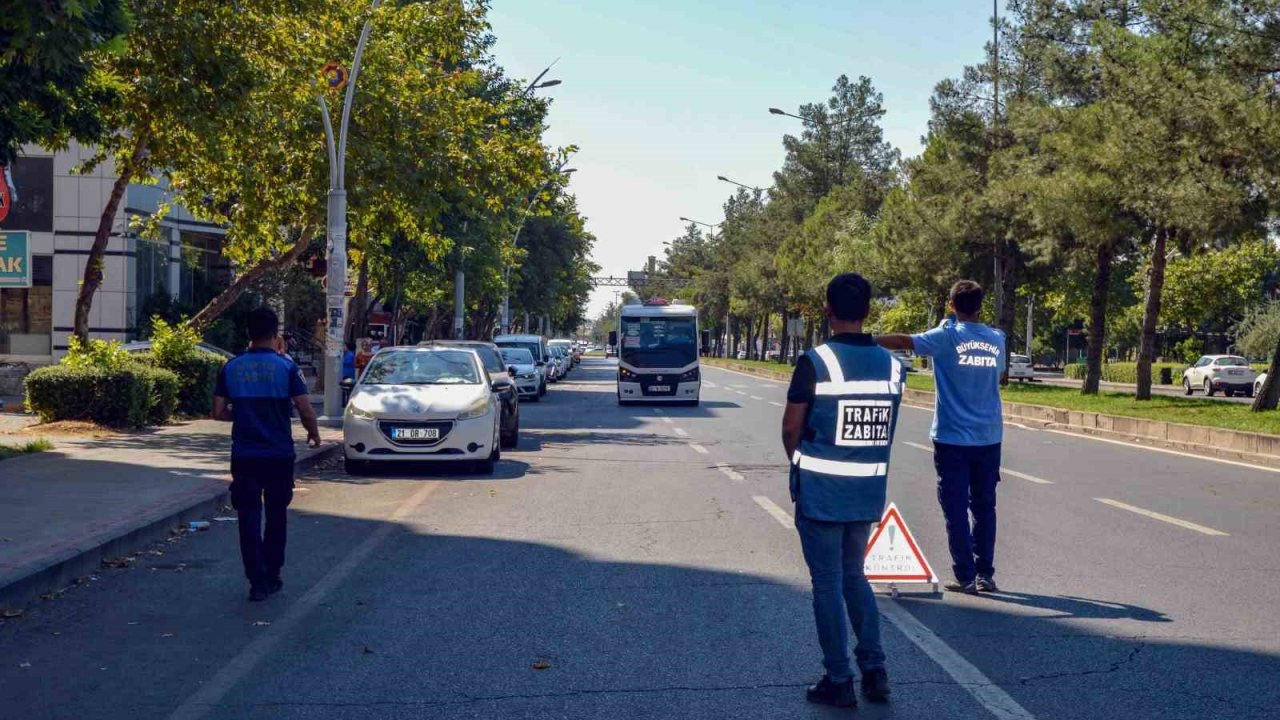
<point>699,222</point>
<point>336,240</point>
<point>741,185</point>
<point>515,243</point>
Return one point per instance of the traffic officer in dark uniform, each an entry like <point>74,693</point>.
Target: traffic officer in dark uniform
<point>842,409</point>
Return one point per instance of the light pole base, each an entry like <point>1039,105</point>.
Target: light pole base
<point>330,421</point>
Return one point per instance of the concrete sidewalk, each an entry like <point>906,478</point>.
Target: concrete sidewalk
<point>64,511</point>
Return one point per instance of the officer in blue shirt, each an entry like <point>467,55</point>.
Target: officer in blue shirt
<point>970,364</point>
<point>837,429</point>
<point>256,392</point>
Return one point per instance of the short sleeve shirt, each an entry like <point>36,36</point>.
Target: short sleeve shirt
<point>261,385</point>
<point>968,360</point>
<point>805,378</point>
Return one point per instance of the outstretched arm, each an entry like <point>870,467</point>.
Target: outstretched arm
<point>896,342</point>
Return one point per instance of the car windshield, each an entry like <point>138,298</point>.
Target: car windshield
<point>1020,359</point>
<point>517,356</point>
<point>658,341</point>
<point>416,367</point>
<point>530,347</point>
<point>1232,362</point>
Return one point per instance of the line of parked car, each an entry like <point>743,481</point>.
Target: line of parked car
<point>449,400</point>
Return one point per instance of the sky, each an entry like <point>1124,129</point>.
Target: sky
<point>661,96</point>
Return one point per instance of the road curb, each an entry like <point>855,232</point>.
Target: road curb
<point>1233,445</point>
<point>69,566</point>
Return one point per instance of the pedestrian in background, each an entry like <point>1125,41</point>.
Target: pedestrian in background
<point>256,392</point>
<point>837,429</point>
<point>970,363</point>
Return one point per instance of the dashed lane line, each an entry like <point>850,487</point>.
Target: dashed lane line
<point>211,693</point>
<point>682,432</point>
<point>776,404</point>
<point>1006,471</point>
<point>1162,517</point>
<point>772,508</point>
<point>988,694</point>
<point>698,449</point>
<point>756,397</point>
<point>729,472</point>
<point>667,420</point>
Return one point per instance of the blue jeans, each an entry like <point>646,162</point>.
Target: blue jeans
<point>834,552</point>
<point>967,477</point>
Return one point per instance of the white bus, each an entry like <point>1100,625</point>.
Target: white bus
<point>658,353</point>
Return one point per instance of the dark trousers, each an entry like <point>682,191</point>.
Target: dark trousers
<point>258,483</point>
<point>967,477</point>
<point>834,553</point>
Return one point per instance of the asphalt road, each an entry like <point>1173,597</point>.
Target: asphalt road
<point>636,563</point>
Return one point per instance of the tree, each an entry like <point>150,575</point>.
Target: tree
<point>50,87</point>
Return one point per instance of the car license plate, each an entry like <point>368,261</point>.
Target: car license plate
<point>659,388</point>
<point>1235,372</point>
<point>415,433</point>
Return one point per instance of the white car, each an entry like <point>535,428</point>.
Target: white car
<point>1020,368</point>
<point>528,380</point>
<point>1229,373</point>
<point>1257,383</point>
<point>426,404</point>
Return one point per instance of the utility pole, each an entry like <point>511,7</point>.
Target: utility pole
<point>460,289</point>
<point>1031,304</point>
<point>997,280</point>
<point>336,240</point>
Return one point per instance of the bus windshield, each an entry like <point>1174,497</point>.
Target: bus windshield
<point>658,342</point>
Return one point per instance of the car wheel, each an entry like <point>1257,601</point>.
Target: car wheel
<point>511,439</point>
<point>1250,392</point>
<point>1186,386</point>
<point>355,467</point>
<point>1208,388</point>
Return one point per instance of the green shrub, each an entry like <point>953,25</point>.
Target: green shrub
<point>197,376</point>
<point>102,354</point>
<point>1127,372</point>
<point>163,401</point>
<point>118,398</point>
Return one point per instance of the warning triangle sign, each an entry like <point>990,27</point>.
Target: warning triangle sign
<point>892,554</point>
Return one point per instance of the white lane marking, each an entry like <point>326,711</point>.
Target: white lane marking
<point>1005,470</point>
<point>776,404</point>
<point>1163,518</point>
<point>746,375</point>
<point>756,397</point>
<point>239,667</point>
<point>708,383</point>
<point>667,420</point>
<point>988,694</point>
<point>682,432</point>
<point>772,508</point>
<point>698,448</point>
<point>657,411</point>
<point>732,474</point>
<point>1167,451</point>
<point>1024,476</point>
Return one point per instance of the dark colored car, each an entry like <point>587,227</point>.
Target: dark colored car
<point>503,384</point>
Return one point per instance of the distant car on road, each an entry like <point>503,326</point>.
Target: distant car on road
<point>1020,369</point>
<point>528,379</point>
<point>1229,373</point>
<point>907,360</point>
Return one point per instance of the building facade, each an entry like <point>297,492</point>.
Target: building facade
<point>60,210</point>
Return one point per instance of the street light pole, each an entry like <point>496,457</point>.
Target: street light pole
<point>741,185</point>
<point>336,240</point>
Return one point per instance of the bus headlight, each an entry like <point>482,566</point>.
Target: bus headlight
<point>691,376</point>
<point>625,374</point>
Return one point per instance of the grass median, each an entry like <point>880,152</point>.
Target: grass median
<point>1167,408</point>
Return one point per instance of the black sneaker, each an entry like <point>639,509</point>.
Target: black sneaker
<point>986,584</point>
<point>955,586</point>
<point>875,685</point>
<point>274,585</point>
<point>833,693</point>
<point>257,594</point>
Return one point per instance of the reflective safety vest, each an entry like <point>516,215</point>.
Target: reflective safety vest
<point>840,472</point>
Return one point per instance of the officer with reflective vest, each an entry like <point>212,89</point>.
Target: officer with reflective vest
<point>842,409</point>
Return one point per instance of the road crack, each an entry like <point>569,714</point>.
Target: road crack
<point>1112,668</point>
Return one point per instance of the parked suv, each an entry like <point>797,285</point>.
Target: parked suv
<point>1229,373</point>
